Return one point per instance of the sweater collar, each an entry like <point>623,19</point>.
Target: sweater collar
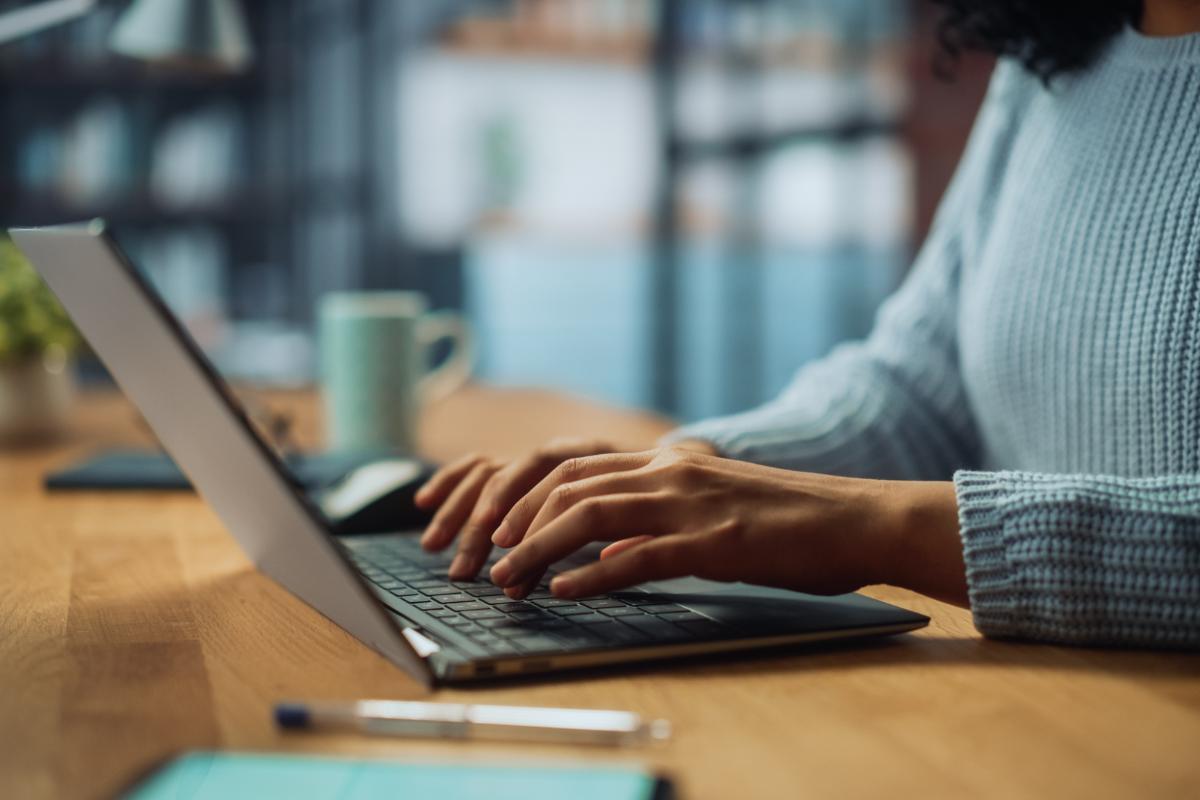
<point>1134,47</point>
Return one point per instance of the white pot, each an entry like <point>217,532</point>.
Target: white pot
<point>36,396</point>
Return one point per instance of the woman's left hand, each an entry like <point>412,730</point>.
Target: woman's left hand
<point>670,513</point>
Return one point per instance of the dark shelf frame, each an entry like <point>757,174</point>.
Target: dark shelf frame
<point>745,151</point>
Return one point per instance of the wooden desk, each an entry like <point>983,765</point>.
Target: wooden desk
<point>133,628</point>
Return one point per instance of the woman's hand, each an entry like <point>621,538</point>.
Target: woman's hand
<point>474,493</point>
<point>671,513</point>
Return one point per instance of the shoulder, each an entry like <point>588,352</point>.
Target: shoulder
<point>1012,86</point>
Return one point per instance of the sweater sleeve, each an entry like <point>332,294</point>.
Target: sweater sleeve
<point>1083,559</point>
<point>893,406</point>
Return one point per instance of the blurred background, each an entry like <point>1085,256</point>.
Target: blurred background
<point>669,204</point>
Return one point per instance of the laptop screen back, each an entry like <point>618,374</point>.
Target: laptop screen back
<point>205,431</point>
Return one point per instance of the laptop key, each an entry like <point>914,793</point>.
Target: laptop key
<point>523,616</point>
<point>426,584</point>
<point>428,605</point>
<point>442,613</point>
<point>552,602</point>
<point>450,597</point>
<point>484,591</point>
<point>604,602</point>
<point>570,610</point>
<point>467,605</point>
<point>662,608</point>
<point>622,611</point>
<point>589,618</point>
<point>683,616</point>
<point>486,613</point>
<point>516,605</point>
<point>446,591</point>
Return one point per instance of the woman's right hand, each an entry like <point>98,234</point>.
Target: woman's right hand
<point>473,494</point>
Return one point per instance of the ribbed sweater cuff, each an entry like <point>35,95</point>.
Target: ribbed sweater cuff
<point>991,582</point>
<point>1084,559</point>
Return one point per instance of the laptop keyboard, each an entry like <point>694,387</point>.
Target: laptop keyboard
<point>540,623</point>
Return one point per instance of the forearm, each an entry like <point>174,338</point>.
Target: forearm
<point>854,414</point>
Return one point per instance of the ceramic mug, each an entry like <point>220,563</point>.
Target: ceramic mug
<point>375,366</point>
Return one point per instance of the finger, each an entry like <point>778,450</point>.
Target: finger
<point>521,476</point>
<point>665,557</point>
<point>474,545</point>
<point>517,521</point>
<point>621,545</point>
<point>475,539</point>
<point>453,513</point>
<point>563,498</point>
<point>595,519</point>
<point>508,486</point>
<point>439,487</point>
<point>522,590</point>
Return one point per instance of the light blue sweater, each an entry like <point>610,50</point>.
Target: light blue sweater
<point>1045,353</point>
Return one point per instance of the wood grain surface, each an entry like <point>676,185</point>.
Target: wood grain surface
<point>133,628</point>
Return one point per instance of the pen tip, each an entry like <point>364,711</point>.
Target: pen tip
<point>291,715</point>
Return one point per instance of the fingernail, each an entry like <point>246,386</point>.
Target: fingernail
<point>501,572</point>
<point>562,586</point>
<point>502,535</point>
<point>430,536</point>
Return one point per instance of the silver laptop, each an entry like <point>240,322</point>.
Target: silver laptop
<point>383,589</point>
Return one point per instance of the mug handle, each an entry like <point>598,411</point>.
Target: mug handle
<point>456,369</point>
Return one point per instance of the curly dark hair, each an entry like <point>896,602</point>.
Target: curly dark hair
<point>1048,36</point>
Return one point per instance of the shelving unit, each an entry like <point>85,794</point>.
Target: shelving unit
<point>317,201</point>
<point>58,165</point>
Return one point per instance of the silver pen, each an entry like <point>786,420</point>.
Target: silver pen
<point>471,721</point>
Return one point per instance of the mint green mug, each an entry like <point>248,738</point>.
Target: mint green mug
<point>375,366</point>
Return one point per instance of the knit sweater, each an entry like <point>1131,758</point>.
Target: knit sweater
<point>1044,353</point>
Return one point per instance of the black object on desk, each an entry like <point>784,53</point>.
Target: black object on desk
<point>360,492</point>
<point>146,469</point>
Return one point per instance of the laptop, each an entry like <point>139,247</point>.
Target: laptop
<point>383,588</point>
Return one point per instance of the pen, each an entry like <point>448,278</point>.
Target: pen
<point>469,721</point>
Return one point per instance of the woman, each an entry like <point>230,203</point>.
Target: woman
<point>1020,433</point>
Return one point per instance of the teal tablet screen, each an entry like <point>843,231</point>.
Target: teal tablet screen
<point>202,775</point>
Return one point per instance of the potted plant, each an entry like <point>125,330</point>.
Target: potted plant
<point>37,345</point>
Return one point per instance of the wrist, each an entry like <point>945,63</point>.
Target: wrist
<point>923,548</point>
